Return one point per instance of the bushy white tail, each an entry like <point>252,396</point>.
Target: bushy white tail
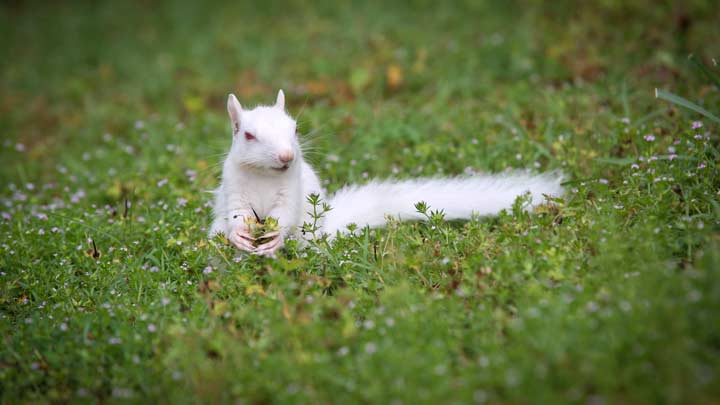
<point>458,197</point>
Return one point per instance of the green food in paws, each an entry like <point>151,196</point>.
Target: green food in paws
<point>261,227</point>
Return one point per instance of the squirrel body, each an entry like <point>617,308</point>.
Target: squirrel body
<point>265,175</point>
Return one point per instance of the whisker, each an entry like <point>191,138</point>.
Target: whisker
<point>302,108</point>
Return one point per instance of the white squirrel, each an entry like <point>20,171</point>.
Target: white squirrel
<point>265,175</point>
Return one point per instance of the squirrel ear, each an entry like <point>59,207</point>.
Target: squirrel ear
<point>235,111</point>
<point>280,102</point>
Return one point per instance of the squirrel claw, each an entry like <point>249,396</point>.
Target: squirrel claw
<point>269,248</point>
<point>242,239</point>
<point>269,235</point>
<point>242,244</point>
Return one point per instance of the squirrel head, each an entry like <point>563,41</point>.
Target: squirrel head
<point>264,137</point>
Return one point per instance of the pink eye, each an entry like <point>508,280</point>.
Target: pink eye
<point>249,136</point>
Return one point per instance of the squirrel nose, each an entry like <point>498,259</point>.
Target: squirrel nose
<point>286,156</point>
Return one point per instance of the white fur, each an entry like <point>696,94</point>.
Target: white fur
<point>251,182</point>
<point>457,197</point>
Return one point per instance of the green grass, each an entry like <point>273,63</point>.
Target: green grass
<point>611,296</point>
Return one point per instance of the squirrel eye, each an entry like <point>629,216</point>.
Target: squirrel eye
<point>249,136</point>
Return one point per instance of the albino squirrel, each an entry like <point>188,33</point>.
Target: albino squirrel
<point>265,175</point>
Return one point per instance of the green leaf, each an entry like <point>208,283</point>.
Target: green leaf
<point>359,79</point>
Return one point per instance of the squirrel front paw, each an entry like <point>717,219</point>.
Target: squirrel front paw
<point>242,238</point>
<point>269,248</point>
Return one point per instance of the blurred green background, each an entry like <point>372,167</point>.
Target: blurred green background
<point>74,70</point>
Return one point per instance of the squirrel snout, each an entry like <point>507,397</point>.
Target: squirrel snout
<point>286,156</point>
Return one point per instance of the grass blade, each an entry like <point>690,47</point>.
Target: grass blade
<point>708,73</point>
<point>683,102</point>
